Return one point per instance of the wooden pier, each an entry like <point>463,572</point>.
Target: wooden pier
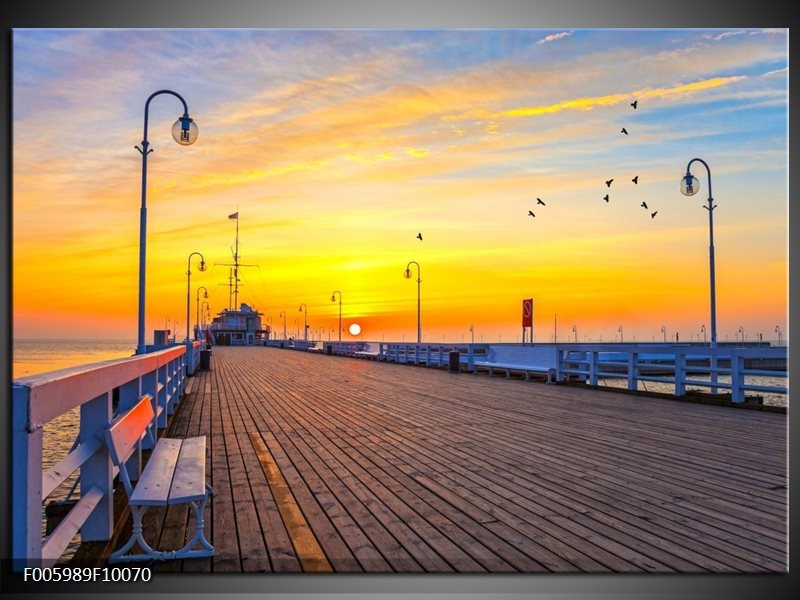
<point>324,463</point>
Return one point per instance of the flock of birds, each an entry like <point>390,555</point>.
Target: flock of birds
<point>607,198</point>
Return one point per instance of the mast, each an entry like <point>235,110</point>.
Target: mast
<point>233,279</point>
<point>236,267</point>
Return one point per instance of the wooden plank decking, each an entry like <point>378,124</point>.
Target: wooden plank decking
<point>325,463</point>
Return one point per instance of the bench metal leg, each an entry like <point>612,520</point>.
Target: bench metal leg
<point>136,537</point>
<point>149,553</point>
<point>199,536</point>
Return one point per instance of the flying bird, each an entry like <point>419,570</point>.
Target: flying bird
<point>653,215</point>
<point>539,201</point>
<point>625,131</point>
<point>419,236</point>
<point>605,197</point>
<point>608,182</point>
<point>634,103</point>
<point>530,212</point>
<point>644,205</point>
<point>635,179</point>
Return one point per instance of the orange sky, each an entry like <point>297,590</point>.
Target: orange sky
<point>338,147</point>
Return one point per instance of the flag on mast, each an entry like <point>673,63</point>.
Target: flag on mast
<point>234,215</point>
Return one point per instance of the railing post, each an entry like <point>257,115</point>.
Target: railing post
<point>190,352</point>
<point>149,385</point>
<point>633,370</point>
<point>163,395</point>
<point>26,477</point>
<point>560,356</point>
<point>680,373</point>
<point>129,394</point>
<point>593,355</point>
<point>737,378</point>
<point>97,471</point>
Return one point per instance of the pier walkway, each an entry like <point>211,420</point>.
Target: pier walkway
<point>327,463</point>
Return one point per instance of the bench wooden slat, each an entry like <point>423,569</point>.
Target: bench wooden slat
<point>154,484</point>
<point>189,482</point>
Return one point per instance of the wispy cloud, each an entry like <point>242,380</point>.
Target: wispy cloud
<point>553,37</point>
<point>593,102</point>
<point>727,34</point>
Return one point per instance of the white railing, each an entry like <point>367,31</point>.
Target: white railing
<point>432,354</point>
<point>37,400</point>
<point>727,367</point>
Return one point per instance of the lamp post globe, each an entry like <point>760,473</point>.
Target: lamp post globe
<point>185,131</point>
<point>690,185</point>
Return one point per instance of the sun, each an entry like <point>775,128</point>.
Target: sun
<point>355,329</point>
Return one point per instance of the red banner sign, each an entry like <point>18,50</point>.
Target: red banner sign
<point>527,312</point>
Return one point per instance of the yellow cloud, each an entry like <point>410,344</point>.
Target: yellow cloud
<point>592,102</point>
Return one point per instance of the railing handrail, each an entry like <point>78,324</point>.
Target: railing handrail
<point>47,400</point>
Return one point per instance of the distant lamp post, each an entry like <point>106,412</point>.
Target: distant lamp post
<point>472,332</point>
<point>197,309</point>
<point>690,185</point>
<point>283,314</point>
<point>575,332</point>
<point>419,281</point>
<point>620,333</point>
<point>664,331</point>
<point>269,320</point>
<point>305,320</point>
<point>184,131</point>
<point>333,299</point>
<point>703,329</point>
<point>205,308</point>
<point>741,330</point>
<point>201,267</point>
<point>778,331</point>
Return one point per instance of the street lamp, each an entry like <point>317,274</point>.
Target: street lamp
<point>205,308</point>
<point>575,331</point>
<point>269,319</point>
<point>620,333</point>
<point>664,331</point>
<point>184,131</point>
<point>690,185</point>
<point>472,331</point>
<point>197,310</point>
<point>283,314</point>
<point>419,281</point>
<point>703,329</point>
<point>741,330</point>
<point>305,320</point>
<point>333,299</point>
<point>201,267</point>
<point>778,331</point>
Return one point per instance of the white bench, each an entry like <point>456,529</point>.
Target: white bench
<point>519,359</point>
<point>175,474</point>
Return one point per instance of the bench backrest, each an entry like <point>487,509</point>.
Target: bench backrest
<point>127,429</point>
<point>534,356</point>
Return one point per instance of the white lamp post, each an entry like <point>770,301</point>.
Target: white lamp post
<point>184,131</point>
